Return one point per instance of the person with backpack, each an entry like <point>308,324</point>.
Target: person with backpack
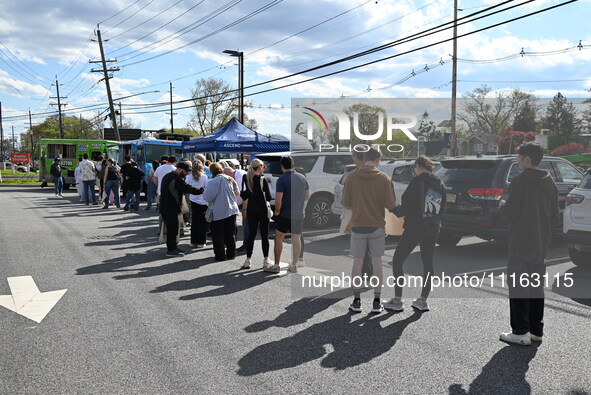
<point>111,181</point>
<point>423,205</point>
<point>133,177</point>
<point>254,210</point>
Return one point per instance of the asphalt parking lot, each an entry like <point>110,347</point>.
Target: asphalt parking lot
<point>133,321</point>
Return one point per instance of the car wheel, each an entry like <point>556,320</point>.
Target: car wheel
<point>448,240</point>
<point>579,258</point>
<point>318,212</point>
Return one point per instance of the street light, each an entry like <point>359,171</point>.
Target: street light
<point>240,57</point>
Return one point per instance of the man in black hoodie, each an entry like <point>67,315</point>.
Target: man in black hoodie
<point>171,201</point>
<point>532,212</point>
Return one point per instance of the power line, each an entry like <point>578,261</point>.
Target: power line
<point>369,63</point>
<point>184,30</point>
<point>123,10</point>
<point>129,17</point>
<point>147,20</point>
<point>232,24</point>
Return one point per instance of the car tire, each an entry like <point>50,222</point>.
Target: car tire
<point>318,213</point>
<point>579,258</point>
<point>448,240</point>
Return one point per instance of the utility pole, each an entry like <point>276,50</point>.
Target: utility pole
<point>454,77</point>
<point>171,114</point>
<point>106,77</point>
<point>32,140</point>
<point>13,140</point>
<point>120,116</point>
<point>59,106</point>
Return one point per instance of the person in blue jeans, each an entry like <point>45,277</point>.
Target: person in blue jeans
<point>133,177</point>
<point>56,172</point>
<point>152,186</point>
<point>112,183</point>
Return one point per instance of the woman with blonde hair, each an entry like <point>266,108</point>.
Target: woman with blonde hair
<point>254,210</point>
<point>221,194</point>
<point>198,179</point>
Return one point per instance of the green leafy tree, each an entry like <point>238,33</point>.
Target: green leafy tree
<point>561,119</point>
<point>527,118</point>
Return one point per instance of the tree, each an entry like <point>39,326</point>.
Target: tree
<point>510,139</point>
<point>494,114</point>
<point>526,118</point>
<point>214,105</point>
<point>561,119</point>
<point>251,123</point>
<point>428,129</point>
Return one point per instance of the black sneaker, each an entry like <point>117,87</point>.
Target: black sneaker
<point>179,250</point>
<point>355,306</point>
<point>175,253</point>
<point>378,307</point>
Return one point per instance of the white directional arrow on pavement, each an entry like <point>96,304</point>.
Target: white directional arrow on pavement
<point>27,300</point>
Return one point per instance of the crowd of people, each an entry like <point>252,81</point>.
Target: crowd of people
<point>210,196</point>
<point>206,196</point>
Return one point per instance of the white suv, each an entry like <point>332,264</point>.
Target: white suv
<point>577,222</point>
<point>322,170</point>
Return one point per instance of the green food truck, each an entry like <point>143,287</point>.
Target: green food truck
<point>68,151</point>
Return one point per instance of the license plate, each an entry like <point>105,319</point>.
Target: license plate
<point>451,197</point>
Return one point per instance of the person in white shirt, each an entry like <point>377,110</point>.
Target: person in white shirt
<point>163,170</point>
<point>79,183</point>
<point>88,171</point>
<point>198,179</point>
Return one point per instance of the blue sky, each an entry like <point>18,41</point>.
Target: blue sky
<point>39,41</point>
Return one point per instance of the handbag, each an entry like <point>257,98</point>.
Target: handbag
<point>209,212</point>
<point>268,204</point>
<point>184,206</point>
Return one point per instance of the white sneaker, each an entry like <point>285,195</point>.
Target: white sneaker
<point>272,269</point>
<point>246,264</point>
<point>511,337</point>
<point>292,268</point>
<point>535,338</point>
<point>267,265</point>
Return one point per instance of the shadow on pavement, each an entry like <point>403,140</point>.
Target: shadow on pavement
<point>579,289</point>
<point>354,343</point>
<point>503,374</point>
<point>225,283</point>
<point>125,263</point>
<point>301,311</point>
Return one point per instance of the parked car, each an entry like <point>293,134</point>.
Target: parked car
<point>322,169</point>
<point>577,222</point>
<point>476,185</point>
<point>18,167</point>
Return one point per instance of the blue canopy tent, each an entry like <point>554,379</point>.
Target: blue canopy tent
<point>234,137</point>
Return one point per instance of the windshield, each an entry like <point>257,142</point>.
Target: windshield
<point>476,173</point>
<point>154,152</point>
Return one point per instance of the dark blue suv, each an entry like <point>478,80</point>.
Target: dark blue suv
<point>475,187</point>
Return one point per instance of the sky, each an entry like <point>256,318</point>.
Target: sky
<point>158,42</point>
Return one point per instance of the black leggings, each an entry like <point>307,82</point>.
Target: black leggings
<point>254,219</point>
<point>407,243</point>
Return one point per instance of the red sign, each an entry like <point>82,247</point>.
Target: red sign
<point>20,158</point>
